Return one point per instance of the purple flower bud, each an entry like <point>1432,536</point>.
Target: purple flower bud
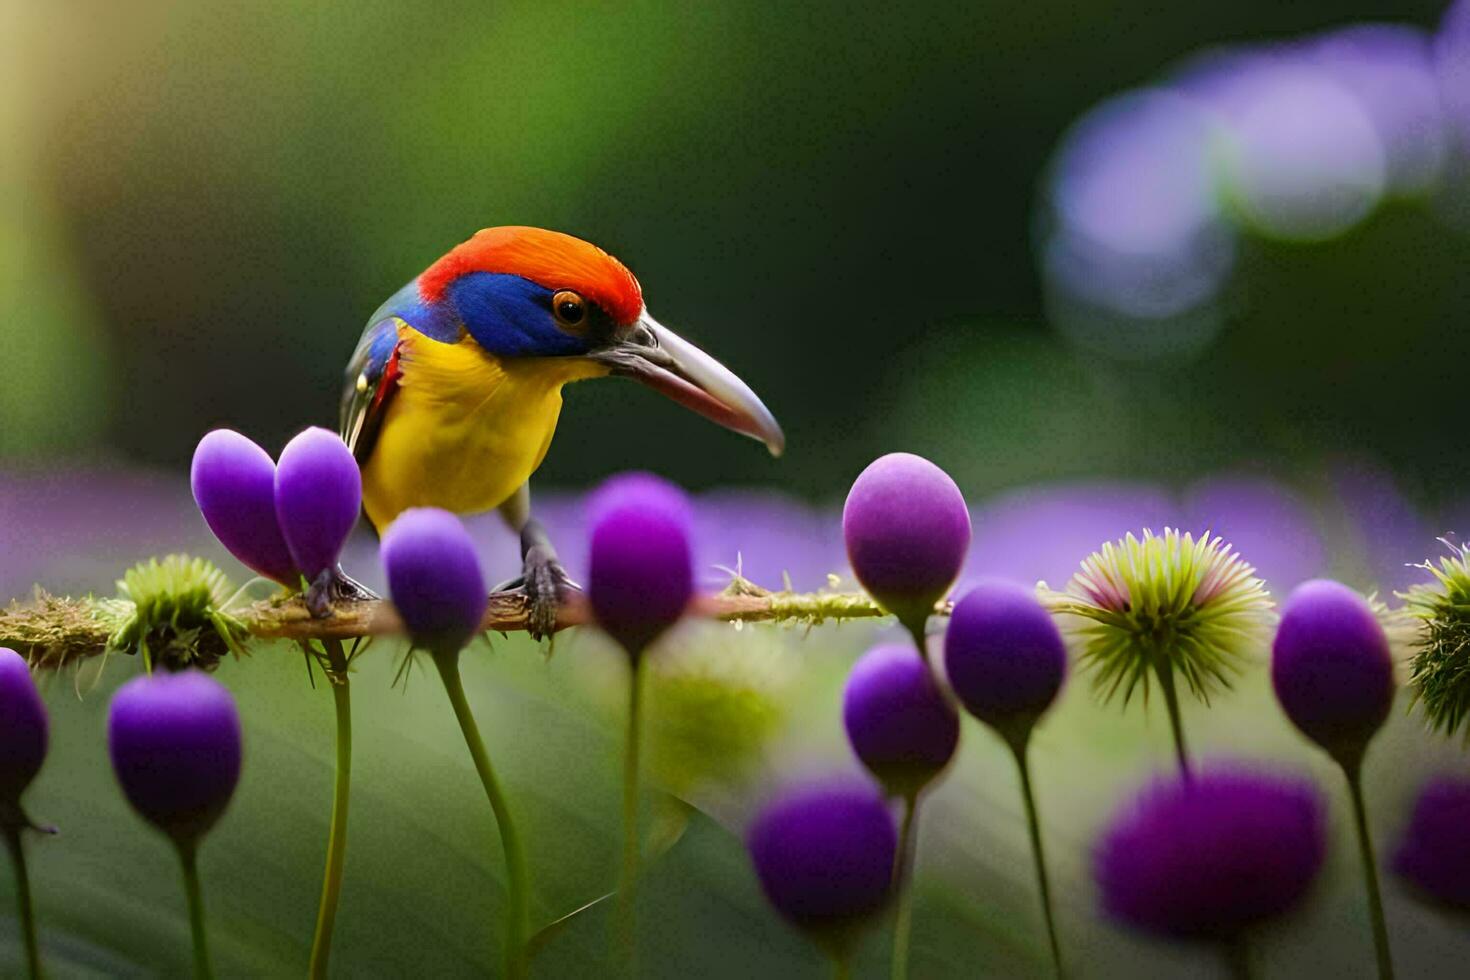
<point>907,532</point>
<point>1331,668</point>
<point>1435,854</point>
<point>318,497</point>
<point>234,485</point>
<point>1004,656</point>
<point>434,578</point>
<point>824,857</point>
<point>175,746</point>
<point>24,731</point>
<point>900,724</point>
<point>640,575</point>
<point>1211,858</point>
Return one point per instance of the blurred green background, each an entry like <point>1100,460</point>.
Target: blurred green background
<point>206,200</point>
<point>200,204</point>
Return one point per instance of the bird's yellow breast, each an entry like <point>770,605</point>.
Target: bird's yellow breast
<point>466,429</point>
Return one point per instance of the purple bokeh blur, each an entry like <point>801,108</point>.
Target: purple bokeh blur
<point>62,529</point>
<point>1298,140</point>
<point>1134,228</point>
<point>1388,532</point>
<point>1041,533</point>
<point>1389,69</point>
<point>1301,159</point>
<point>76,530</point>
<point>1452,66</point>
<point>1267,522</point>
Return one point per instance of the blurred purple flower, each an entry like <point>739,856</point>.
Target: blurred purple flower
<point>175,746</point>
<point>769,535</point>
<point>434,578</point>
<point>824,856</point>
<point>25,732</point>
<point>898,721</point>
<point>234,481</point>
<point>640,575</point>
<point>71,529</point>
<point>1266,522</point>
<point>1040,533</point>
<point>1434,856</point>
<point>1392,534</point>
<point>1210,858</point>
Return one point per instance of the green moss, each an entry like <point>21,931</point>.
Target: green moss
<point>177,616</point>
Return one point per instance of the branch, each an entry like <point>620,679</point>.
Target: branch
<point>54,632</point>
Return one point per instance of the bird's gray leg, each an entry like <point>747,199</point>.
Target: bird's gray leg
<point>332,586</point>
<point>542,575</point>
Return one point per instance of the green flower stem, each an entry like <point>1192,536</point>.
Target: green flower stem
<point>1033,824</point>
<point>1237,954</point>
<point>627,919</point>
<point>903,882</point>
<point>23,898</point>
<point>188,854</point>
<point>1165,674</point>
<point>326,915</point>
<point>518,924</point>
<point>1354,773</point>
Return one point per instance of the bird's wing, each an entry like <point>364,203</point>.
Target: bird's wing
<point>371,383</point>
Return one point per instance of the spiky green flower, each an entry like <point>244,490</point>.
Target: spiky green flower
<point>177,615</point>
<point>1439,671</point>
<point>715,704</point>
<point>1165,604</point>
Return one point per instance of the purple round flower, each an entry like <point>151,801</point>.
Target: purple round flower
<point>1211,858</point>
<point>1434,856</point>
<point>24,730</point>
<point>907,531</point>
<point>1004,656</point>
<point>1331,667</point>
<point>824,857</point>
<point>900,724</point>
<point>234,485</point>
<point>434,578</point>
<point>175,746</point>
<point>318,497</point>
<point>640,574</point>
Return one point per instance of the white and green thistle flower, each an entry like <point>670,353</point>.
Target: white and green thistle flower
<point>1159,604</point>
<point>1145,609</point>
<point>1439,670</point>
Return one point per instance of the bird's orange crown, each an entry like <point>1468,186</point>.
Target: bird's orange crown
<point>549,259</point>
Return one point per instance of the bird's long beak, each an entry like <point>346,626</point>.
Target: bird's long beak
<point>667,363</point>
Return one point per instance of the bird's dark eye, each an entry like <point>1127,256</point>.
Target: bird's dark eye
<point>568,308</point>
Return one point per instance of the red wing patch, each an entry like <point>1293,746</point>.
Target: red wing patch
<point>389,381</point>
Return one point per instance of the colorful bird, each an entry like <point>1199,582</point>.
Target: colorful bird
<point>453,392</point>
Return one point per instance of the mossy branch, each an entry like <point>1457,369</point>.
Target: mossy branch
<point>53,632</point>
